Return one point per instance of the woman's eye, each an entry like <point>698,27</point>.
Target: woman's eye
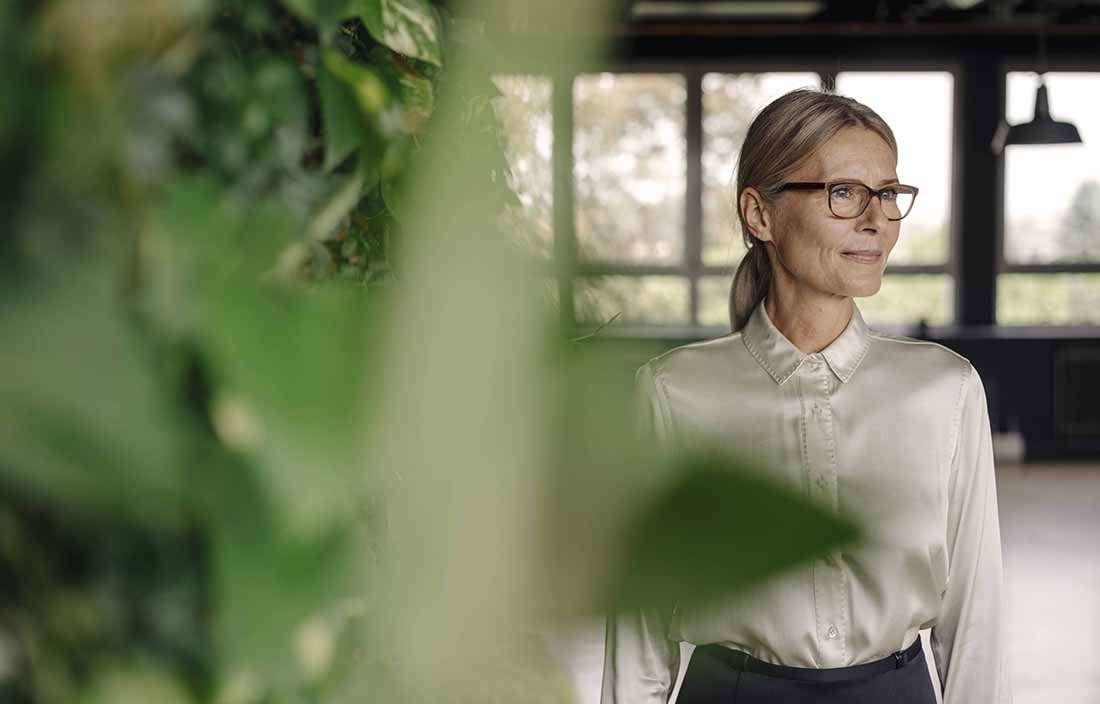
<point>842,192</point>
<point>890,194</point>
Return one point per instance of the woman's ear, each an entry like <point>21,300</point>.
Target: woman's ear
<point>755,212</point>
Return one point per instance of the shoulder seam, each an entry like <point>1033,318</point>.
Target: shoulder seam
<point>692,345</point>
<point>913,341</point>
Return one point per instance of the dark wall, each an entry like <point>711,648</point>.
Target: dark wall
<point>1047,388</point>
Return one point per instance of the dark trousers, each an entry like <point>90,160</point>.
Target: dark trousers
<point>719,675</point>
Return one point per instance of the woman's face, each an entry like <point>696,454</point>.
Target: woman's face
<point>811,244</point>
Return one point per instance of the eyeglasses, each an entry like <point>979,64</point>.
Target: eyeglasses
<point>848,199</point>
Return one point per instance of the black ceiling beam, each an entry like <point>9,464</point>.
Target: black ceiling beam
<point>790,45</point>
<point>729,28</point>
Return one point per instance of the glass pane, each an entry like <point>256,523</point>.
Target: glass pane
<point>1048,299</point>
<point>1052,191</point>
<point>527,132</point>
<point>918,108</point>
<point>649,300</point>
<point>905,299</point>
<point>714,301</point>
<point>629,168</point>
<point>730,100</point>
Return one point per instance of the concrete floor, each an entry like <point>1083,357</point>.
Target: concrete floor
<point>1050,531</point>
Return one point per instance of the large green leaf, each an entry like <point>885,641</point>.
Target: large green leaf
<point>360,111</point>
<point>268,583</point>
<point>296,366</point>
<point>720,527</point>
<point>341,121</point>
<point>289,366</point>
<point>408,27</point>
<point>83,419</point>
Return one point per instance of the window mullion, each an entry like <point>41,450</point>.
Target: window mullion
<point>693,198</point>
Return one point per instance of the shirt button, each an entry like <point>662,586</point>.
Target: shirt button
<point>832,632</point>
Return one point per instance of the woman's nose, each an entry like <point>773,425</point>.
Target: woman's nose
<point>874,217</point>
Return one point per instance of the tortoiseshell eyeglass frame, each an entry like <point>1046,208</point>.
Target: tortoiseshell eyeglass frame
<point>828,185</point>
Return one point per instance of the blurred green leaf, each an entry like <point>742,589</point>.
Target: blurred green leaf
<point>333,210</point>
<point>367,87</point>
<point>268,582</point>
<point>83,421</point>
<point>342,123</point>
<point>408,27</point>
<point>299,365</point>
<point>417,92</point>
<point>124,683</point>
<point>291,367</point>
<point>328,14</point>
<point>719,528</point>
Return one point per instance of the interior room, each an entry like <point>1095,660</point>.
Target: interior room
<point>1001,263</point>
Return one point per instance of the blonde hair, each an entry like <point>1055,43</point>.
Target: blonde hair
<point>779,139</point>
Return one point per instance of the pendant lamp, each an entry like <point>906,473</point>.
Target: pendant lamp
<point>1042,129</point>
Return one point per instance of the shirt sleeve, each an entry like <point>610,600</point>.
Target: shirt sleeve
<point>641,662</point>
<point>968,640</point>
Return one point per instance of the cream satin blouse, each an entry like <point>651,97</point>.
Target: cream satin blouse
<point>890,429</point>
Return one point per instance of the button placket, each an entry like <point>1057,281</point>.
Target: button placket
<point>819,463</point>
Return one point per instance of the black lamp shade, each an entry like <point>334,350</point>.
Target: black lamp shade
<point>1041,130</point>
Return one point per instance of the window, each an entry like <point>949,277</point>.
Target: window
<point>1050,273</point>
<point>629,167</point>
<point>652,161</point>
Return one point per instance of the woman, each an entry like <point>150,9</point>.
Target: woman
<point>890,429</point>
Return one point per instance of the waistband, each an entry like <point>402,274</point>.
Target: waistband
<point>740,660</point>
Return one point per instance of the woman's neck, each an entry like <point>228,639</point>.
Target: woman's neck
<point>811,323</point>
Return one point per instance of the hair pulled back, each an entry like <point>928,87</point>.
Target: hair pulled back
<point>781,136</point>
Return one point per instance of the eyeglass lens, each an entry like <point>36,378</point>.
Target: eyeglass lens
<point>848,200</point>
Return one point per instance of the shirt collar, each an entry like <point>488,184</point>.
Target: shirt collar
<point>780,358</point>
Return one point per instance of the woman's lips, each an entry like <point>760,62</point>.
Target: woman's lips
<point>864,257</point>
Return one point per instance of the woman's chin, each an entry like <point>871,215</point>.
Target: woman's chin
<point>863,289</point>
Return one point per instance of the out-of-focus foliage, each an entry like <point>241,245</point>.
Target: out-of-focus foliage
<point>904,299</point>
<point>1048,299</point>
<point>1079,231</point>
<point>283,417</point>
